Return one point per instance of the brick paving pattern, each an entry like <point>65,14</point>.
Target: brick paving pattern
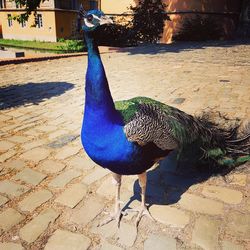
<point>52,196</point>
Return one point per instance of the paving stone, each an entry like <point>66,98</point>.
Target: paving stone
<point>15,113</point>
<point>238,179</point>
<point>127,234</point>
<point>15,165</point>
<point>106,231</point>
<point>178,181</point>
<point>85,214</point>
<point>201,205</point>
<point>227,245</point>
<point>34,200</point>
<point>81,163</point>
<point>4,170</point>
<point>4,118</point>
<point>33,229</point>
<point>19,139</point>
<point>169,215</point>
<point>97,174</point>
<point>23,127</point>
<point>107,189</point>
<point>10,153</point>
<point>238,224</point>
<point>62,141</point>
<point>12,189</point>
<point>46,128</point>
<point>3,200</point>
<point>9,218</point>
<point>159,242</point>
<point>65,240</point>
<point>33,144</point>
<point>73,195</point>
<point>6,145</point>
<point>205,233</point>
<point>29,176</point>
<point>57,133</point>
<point>224,194</point>
<point>66,152</point>
<point>10,246</point>
<point>36,154</point>
<point>108,246</point>
<point>51,167</point>
<point>247,206</point>
<point>64,178</point>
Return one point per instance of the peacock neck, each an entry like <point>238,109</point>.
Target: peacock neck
<point>98,97</point>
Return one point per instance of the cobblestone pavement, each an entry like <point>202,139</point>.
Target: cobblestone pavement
<point>52,196</point>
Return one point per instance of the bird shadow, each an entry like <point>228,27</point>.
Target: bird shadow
<point>31,93</point>
<point>177,47</point>
<point>170,180</point>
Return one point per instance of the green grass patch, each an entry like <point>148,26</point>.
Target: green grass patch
<point>63,45</point>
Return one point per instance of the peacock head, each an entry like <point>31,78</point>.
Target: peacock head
<point>92,19</point>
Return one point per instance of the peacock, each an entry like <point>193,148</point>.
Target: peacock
<point>128,137</point>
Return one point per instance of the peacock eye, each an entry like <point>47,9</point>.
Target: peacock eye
<point>90,17</point>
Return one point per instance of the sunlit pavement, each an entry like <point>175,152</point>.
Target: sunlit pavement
<point>52,196</point>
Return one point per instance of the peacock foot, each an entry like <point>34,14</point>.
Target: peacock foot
<point>117,215</point>
<point>142,211</point>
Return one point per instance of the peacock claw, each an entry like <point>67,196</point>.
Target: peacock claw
<point>117,215</point>
<point>142,210</point>
<point>112,216</point>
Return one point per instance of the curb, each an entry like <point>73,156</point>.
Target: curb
<point>103,50</point>
<point>38,59</point>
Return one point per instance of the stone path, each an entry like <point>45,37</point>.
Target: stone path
<point>52,196</point>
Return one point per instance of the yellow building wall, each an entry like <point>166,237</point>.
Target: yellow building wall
<point>116,6</point>
<point>16,31</point>
<point>10,4</point>
<point>66,23</point>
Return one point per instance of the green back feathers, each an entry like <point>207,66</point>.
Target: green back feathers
<point>198,137</point>
<point>128,108</point>
<point>183,127</point>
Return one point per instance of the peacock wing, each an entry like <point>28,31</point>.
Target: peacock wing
<point>147,120</point>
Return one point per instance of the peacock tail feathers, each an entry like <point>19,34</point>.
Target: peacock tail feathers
<point>219,144</point>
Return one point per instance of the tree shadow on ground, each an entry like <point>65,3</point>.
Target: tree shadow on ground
<point>177,47</point>
<point>169,181</point>
<point>31,93</point>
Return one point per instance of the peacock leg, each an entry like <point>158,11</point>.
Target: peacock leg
<point>116,215</point>
<point>142,210</point>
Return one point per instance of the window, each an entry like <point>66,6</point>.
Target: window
<point>10,23</point>
<point>39,21</point>
<point>93,5</point>
<point>23,24</point>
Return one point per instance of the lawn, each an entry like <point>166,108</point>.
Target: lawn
<point>64,46</point>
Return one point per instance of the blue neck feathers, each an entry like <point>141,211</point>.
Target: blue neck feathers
<point>98,96</point>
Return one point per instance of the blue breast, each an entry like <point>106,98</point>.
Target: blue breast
<point>107,145</point>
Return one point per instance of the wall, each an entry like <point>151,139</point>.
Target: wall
<point>45,33</point>
<point>66,22</point>
<point>116,6</point>
<point>184,9</point>
<point>203,5</point>
<point>46,4</point>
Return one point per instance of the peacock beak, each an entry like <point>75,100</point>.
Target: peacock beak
<point>106,20</point>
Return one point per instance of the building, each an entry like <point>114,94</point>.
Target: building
<point>55,19</point>
<point>225,12</point>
